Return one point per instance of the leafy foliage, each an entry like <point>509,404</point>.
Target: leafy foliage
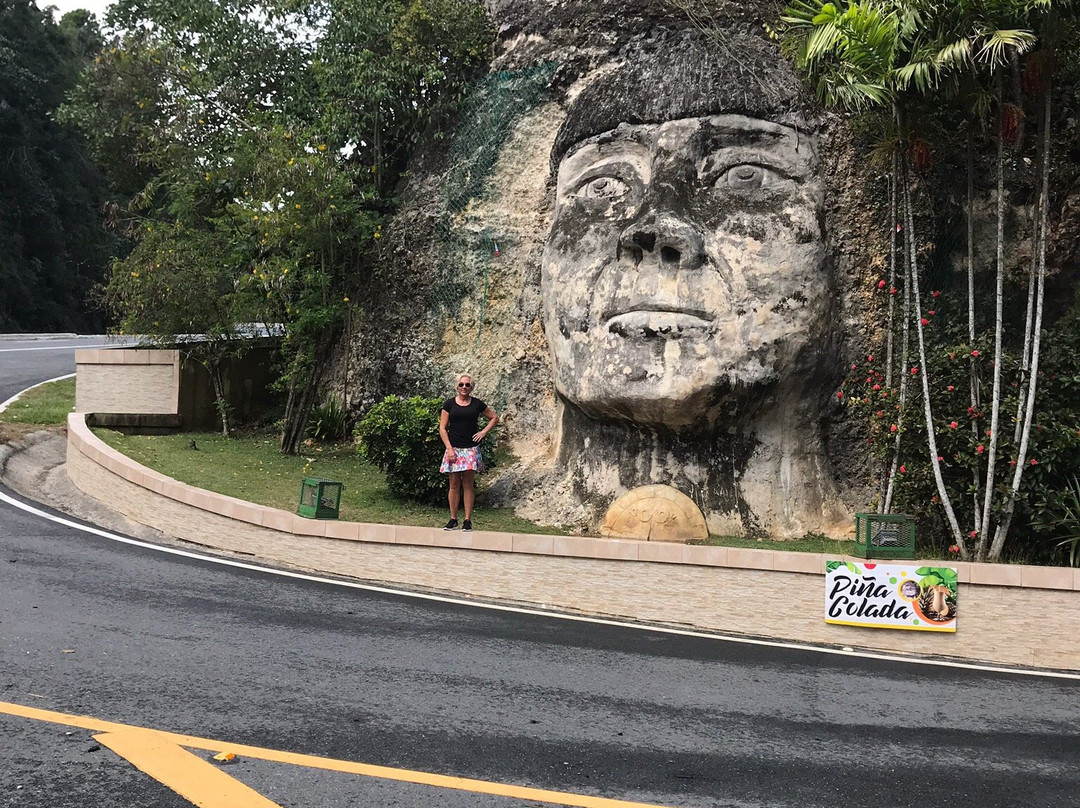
<point>254,146</point>
<point>401,437</point>
<point>327,421</point>
<point>52,246</point>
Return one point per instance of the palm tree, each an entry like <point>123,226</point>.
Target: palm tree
<point>887,52</point>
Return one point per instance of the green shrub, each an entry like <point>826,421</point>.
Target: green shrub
<point>401,437</point>
<point>327,422</point>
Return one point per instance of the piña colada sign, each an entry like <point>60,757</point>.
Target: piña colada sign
<point>861,593</point>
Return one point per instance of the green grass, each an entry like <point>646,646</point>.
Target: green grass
<point>47,405</point>
<point>810,543</point>
<point>251,468</point>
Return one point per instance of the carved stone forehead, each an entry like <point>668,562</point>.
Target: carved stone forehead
<point>697,138</point>
<point>684,74</point>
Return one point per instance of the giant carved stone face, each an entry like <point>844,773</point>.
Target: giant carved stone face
<point>685,268</point>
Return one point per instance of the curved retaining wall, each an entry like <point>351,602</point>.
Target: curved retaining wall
<point>1010,615</point>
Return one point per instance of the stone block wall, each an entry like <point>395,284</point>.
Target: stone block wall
<point>1011,615</point>
<point>121,380</point>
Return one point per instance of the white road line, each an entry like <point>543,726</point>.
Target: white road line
<point>534,611</point>
<point>18,395</point>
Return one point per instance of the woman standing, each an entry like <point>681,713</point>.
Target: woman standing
<point>459,428</point>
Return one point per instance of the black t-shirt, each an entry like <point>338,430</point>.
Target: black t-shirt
<point>464,422</point>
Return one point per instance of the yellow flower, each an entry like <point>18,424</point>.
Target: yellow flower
<point>134,274</point>
<point>256,218</point>
<point>208,176</point>
<point>346,299</point>
<point>292,161</point>
<point>298,206</point>
<point>322,147</point>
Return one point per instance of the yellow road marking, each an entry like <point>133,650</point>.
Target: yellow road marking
<point>197,781</point>
<point>330,764</point>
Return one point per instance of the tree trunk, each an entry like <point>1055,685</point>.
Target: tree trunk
<point>972,368</point>
<point>931,436</point>
<point>999,297</point>
<point>303,389</point>
<point>1009,505</point>
<point>219,394</point>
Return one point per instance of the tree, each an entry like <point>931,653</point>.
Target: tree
<point>265,137</point>
<point>877,53</point>
<point>52,246</point>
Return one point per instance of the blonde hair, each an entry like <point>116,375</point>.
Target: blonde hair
<point>461,376</point>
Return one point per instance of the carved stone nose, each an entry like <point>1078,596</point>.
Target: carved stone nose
<point>667,240</point>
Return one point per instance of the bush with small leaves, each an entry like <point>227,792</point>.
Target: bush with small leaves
<point>401,437</point>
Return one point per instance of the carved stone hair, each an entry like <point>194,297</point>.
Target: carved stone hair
<point>673,74</point>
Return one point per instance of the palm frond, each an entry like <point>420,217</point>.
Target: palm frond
<point>996,45</point>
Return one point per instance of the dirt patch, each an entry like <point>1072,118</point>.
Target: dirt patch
<point>13,432</point>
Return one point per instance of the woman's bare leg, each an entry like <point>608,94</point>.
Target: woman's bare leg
<point>467,484</point>
<point>454,496</point>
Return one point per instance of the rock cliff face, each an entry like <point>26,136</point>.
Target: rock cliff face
<point>636,242</point>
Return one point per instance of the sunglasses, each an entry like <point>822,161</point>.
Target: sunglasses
<point>465,384</point>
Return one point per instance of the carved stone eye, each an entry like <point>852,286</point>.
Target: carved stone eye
<point>744,177</point>
<point>610,189</point>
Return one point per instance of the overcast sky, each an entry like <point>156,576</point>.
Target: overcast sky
<point>64,6</point>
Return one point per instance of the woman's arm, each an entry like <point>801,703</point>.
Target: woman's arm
<point>493,418</point>
<point>444,419</point>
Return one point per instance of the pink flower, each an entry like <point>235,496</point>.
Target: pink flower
<point>940,459</point>
<point>877,386</point>
<point>893,291</point>
<point>924,321</point>
<point>954,549</point>
<point>935,294</point>
<point>880,413</point>
<point>893,428</point>
<point>1034,462</point>
<point>870,358</point>
<point>974,533</point>
<point>903,470</point>
<point>953,425</point>
<point>853,367</point>
<point>839,393</point>
<point>951,388</point>
<point>931,312</point>
<point>980,449</point>
<point>974,353</point>
<point>881,284</point>
<point>914,371</point>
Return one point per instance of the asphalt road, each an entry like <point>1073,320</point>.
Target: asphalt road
<point>93,627</point>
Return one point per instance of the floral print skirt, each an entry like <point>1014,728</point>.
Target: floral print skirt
<point>465,460</point>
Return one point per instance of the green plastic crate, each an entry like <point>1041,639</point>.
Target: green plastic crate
<point>320,499</point>
<point>884,535</point>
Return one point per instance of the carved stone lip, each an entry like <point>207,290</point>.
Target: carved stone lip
<point>660,323</point>
<point>647,309</point>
